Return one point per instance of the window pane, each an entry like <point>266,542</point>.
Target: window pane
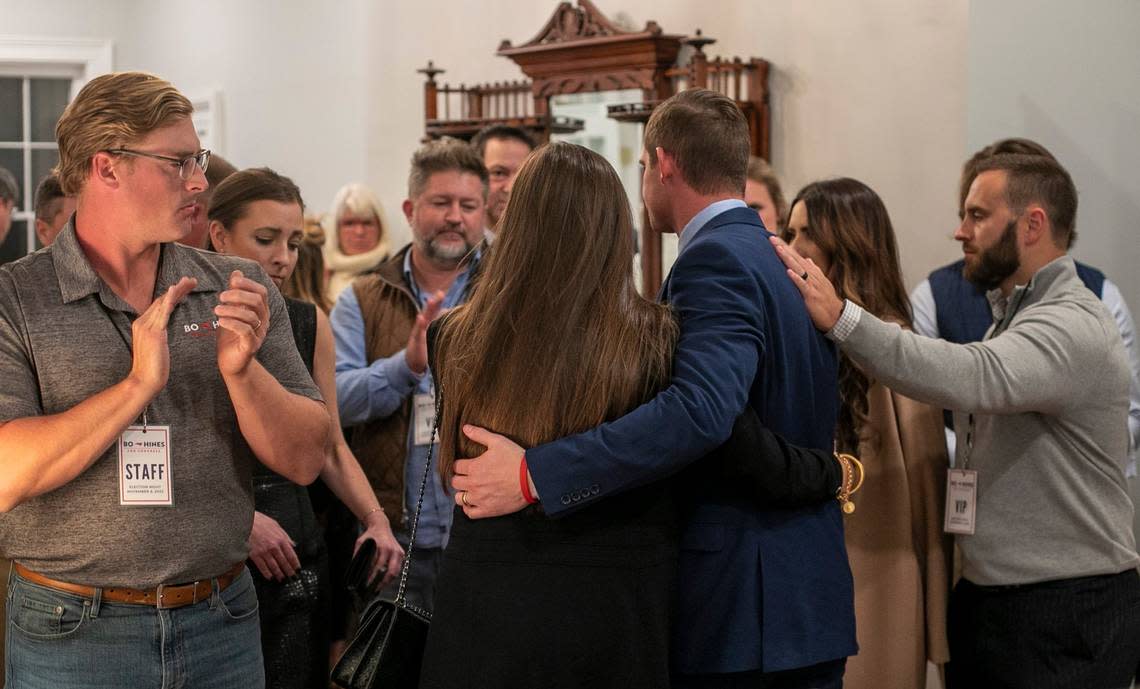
<point>13,160</point>
<point>15,246</point>
<point>49,98</point>
<point>43,160</point>
<point>11,110</point>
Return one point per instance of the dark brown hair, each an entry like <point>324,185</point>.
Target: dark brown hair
<point>48,193</point>
<point>240,189</point>
<point>500,131</point>
<point>555,326</point>
<point>849,223</point>
<point>707,134</point>
<point>219,169</point>
<point>1041,180</point>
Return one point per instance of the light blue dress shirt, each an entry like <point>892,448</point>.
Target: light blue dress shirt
<point>373,391</point>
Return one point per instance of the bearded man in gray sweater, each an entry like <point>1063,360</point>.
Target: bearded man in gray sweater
<point>1050,595</point>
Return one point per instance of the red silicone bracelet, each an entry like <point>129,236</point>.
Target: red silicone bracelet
<point>525,484</point>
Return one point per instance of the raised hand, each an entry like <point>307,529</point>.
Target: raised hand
<point>271,549</point>
<point>243,319</point>
<point>416,352</point>
<point>150,351</point>
<point>823,304</point>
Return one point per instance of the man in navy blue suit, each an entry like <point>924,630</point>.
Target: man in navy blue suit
<point>765,595</point>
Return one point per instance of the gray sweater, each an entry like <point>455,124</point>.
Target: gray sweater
<point>1049,395</point>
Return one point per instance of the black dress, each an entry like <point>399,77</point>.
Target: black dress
<point>582,601</point>
<point>294,625</point>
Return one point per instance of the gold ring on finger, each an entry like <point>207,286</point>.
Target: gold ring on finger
<point>463,498</point>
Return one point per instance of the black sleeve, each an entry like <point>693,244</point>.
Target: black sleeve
<point>757,464</point>
<point>432,338</point>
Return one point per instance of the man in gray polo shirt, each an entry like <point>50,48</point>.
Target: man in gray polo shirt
<point>139,376</point>
<point>1037,500</point>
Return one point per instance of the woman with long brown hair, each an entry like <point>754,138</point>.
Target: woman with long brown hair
<point>555,340</point>
<point>899,556</point>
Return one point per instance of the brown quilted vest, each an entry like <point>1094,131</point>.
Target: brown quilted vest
<point>389,311</point>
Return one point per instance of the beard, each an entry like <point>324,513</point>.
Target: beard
<point>446,252</point>
<point>995,264</point>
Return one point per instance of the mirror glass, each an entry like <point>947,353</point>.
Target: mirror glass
<point>619,143</point>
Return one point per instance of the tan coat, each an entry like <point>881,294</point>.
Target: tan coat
<point>899,555</point>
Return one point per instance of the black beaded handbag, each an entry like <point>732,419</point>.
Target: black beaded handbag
<point>388,648</point>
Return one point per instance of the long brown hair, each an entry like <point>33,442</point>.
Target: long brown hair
<point>849,223</point>
<point>555,338</point>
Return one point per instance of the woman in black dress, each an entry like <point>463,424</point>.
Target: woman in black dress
<point>555,340</point>
<point>258,214</point>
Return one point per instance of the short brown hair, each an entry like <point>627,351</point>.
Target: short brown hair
<point>219,169</point>
<point>707,134</point>
<point>1041,180</point>
<point>501,131</point>
<point>112,110</point>
<point>1011,145</point>
<point>48,195</point>
<point>443,155</point>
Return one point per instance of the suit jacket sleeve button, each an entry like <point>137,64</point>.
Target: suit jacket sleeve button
<point>565,498</point>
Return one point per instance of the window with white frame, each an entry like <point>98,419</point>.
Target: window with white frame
<point>38,77</point>
<point>29,108</point>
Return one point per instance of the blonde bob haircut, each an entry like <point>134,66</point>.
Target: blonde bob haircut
<point>357,200</point>
<point>111,111</point>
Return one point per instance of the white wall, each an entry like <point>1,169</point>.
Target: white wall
<point>874,90</point>
<point>1068,75</point>
<point>328,93</point>
<point>293,75</point>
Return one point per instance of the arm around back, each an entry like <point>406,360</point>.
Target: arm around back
<point>715,292</point>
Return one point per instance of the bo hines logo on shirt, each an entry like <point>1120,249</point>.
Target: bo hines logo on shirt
<point>202,329</point>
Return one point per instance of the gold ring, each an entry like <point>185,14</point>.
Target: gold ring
<point>463,498</point>
<point>258,326</point>
<point>804,276</point>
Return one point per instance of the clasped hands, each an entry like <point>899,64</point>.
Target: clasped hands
<point>243,321</point>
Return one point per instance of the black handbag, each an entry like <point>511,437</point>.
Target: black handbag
<point>388,647</point>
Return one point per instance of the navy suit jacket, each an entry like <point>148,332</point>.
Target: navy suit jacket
<point>766,589</point>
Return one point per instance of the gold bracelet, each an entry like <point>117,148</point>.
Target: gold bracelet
<point>849,486</point>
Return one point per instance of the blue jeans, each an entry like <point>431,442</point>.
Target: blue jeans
<point>57,640</point>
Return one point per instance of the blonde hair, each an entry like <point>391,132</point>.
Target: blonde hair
<point>358,200</point>
<point>112,110</point>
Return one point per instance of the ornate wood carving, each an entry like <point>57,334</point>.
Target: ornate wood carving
<point>584,83</point>
<point>580,50</point>
<point>569,23</point>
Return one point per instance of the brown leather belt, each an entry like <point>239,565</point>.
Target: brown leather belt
<point>164,596</point>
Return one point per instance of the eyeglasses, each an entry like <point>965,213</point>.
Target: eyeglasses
<point>185,165</point>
